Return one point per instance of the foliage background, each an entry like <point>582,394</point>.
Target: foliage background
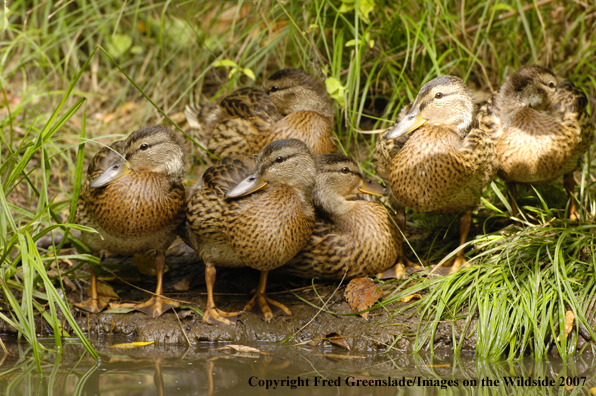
<point>62,98</point>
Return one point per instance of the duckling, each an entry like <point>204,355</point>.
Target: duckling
<point>253,213</point>
<point>352,237</point>
<point>134,197</point>
<point>541,128</point>
<point>445,162</point>
<point>292,104</point>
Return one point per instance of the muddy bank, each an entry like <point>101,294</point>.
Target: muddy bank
<point>233,288</point>
<point>308,324</point>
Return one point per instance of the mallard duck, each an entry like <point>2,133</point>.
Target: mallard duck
<point>541,129</point>
<point>352,237</point>
<point>134,197</point>
<point>445,162</point>
<point>292,104</point>
<point>256,214</point>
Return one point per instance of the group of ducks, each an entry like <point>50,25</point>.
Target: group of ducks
<point>281,197</point>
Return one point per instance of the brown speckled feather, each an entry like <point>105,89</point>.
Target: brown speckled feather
<point>254,120</point>
<point>364,243</point>
<point>262,230</point>
<point>541,146</point>
<point>436,171</point>
<point>308,126</point>
<point>135,213</point>
<point>269,227</point>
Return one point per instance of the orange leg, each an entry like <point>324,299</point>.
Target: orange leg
<point>260,303</point>
<point>157,304</point>
<point>465,222</point>
<point>213,315</point>
<point>569,183</point>
<point>94,304</point>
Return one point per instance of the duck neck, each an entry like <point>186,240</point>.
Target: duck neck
<point>333,205</point>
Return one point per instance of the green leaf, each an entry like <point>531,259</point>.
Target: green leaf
<point>118,45</point>
<point>224,63</point>
<point>351,43</point>
<point>346,8</point>
<point>336,90</point>
<point>503,7</point>
<point>249,73</point>
<point>365,7</point>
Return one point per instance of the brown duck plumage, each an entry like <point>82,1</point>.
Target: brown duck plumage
<point>445,162</point>
<point>541,129</point>
<point>352,237</point>
<point>292,104</point>
<point>134,197</point>
<point>251,214</point>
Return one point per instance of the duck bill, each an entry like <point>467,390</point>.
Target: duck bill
<point>117,170</point>
<point>251,184</point>
<point>372,188</point>
<point>410,123</point>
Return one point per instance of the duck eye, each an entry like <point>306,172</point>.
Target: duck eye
<point>274,88</point>
<point>439,95</point>
<point>144,146</point>
<point>279,160</point>
<point>551,85</point>
<point>345,170</point>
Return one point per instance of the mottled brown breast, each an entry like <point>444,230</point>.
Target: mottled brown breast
<point>268,228</point>
<point>429,170</point>
<point>310,127</point>
<point>536,147</point>
<point>206,205</point>
<point>137,205</point>
<point>366,241</point>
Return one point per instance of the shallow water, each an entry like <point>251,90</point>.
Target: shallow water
<point>214,369</point>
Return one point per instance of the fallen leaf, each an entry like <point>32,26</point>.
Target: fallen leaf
<point>410,297</point>
<point>108,118</point>
<point>105,291</point>
<point>569,317</point>
<point>186,313</point>
<point>183,285</point>
<point>242,349</point>
<point>569,387</point>
<point>593,390</point>
<point>362,293</point>
<point>128,107</point>
<point>344,357</point>
<point>338,339</point>
<point>131,345</point>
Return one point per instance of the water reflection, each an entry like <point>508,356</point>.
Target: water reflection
<point>208,369</point>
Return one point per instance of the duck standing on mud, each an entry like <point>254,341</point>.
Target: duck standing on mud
<point>134,197</point>
<point>435,159</point>
<point>541,128</point>
<point>252,214</point>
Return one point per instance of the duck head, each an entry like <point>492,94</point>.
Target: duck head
<point>339,180</point>
<point>530,86</point>
<point>151,149</point>
<point>294,90</point>
<point>444,101</point>
<point>288,162</point>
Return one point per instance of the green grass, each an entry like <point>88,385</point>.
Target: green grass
<point>58,91</point>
